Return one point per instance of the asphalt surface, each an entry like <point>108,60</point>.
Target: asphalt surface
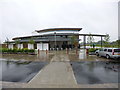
<point>95,72</point>
<point>66,69</point>
<point>19,71</point>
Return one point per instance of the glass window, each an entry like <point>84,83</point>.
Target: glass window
<point>109,50</point>
<point>105,49</point>
<point>101,49</point>
<point>116,50</point>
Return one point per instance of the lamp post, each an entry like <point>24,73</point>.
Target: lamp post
<point>55,39</point>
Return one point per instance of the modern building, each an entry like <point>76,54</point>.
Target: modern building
<point>47,39</point>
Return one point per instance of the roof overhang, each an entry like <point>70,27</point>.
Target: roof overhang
<point>57,34</point>
<point>58,29</point>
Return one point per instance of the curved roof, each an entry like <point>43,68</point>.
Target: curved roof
<point>57,34</point>
<point>59,29</point>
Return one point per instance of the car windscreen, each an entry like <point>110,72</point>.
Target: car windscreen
<point>116,50</point>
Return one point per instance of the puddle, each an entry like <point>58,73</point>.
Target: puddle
<point>19,71</point>
<point>41,57</point>
<point>96,72</point>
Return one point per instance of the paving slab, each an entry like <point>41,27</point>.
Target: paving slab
<point>57,74</point>
<point>108,85</point>
<point>5,84</point>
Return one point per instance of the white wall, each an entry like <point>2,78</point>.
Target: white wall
<point>10,46</point>
<point>20,46</point>
<point>45,46</point>
<point>42,46</point>
<point>30,46</point>
<point>39,46</point>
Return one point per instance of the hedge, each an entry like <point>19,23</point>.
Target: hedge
<point>93,49</point>
<point>25,50</point>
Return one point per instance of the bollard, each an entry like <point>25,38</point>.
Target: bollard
<point>87,51</point>
<point>38,51</point>
<point>67,50</point>
<point>76,52</point>
<point>46,51</point>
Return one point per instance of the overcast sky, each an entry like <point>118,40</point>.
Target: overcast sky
<point>22,17</point>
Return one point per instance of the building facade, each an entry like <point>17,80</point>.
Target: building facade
<point>48,39</point>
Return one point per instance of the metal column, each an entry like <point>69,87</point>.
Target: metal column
<point>101,42</point>
<point>84,38</point>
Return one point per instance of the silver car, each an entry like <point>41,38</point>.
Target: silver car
<point>109,52</point>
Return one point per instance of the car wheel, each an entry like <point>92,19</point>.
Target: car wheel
<point>107,56</point>
<point>97,54</point>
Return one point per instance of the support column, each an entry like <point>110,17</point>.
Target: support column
<point>101,42</point>
<point>84,38</point>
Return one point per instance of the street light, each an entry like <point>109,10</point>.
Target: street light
<point>55,39</point>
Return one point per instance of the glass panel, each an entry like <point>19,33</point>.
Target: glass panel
<point>105,49</point>
<point>116,50</point>
<point>109,50</point>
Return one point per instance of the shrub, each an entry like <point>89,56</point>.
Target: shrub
<point>93,49</point>
<point>9,50</point>
<point>4,50</point>
<point>25,50</point>
<point>31,50</point>
<point>14,50</point>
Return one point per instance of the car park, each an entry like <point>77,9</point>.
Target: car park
<point>109,52</point>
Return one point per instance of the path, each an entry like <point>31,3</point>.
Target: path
<point>57,74</point>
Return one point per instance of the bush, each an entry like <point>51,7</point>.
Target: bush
<point>31,50</point>
<point>14,50</point>
<point>9,50</point>
<point>4,50</point>
<point>93,49</point>
<point>25,50</point>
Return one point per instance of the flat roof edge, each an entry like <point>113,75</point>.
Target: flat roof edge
<point>58,29</point>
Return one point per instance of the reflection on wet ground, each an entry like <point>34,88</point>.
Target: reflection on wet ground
<point>19,71</point>
<point>88,69</point>
<point>96,72</point>
<point>22,67</point>
<point>74,57</point>
<point>82,56</point>
<point>41,57</point>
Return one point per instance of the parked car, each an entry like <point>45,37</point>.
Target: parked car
<point>109,52</point>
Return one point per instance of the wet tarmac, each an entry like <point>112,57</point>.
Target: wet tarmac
<point>82,56</point>
<point>41,57</point>
<point>96,72</point>
<point>19,71</point>
<point>88,69</point>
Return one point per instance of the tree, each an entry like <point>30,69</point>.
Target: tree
<point>31,41</point>
<point>17,41</point>
<point>7,41</point>
<point>118,43</point>
<point>74,41</point>
<point>90,39</point>
<point>106,40</point>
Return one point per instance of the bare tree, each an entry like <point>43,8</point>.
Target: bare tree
<point>90,39</point>
<point>107,40</point>
<point>74,41</point>
<point>31,41</point>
